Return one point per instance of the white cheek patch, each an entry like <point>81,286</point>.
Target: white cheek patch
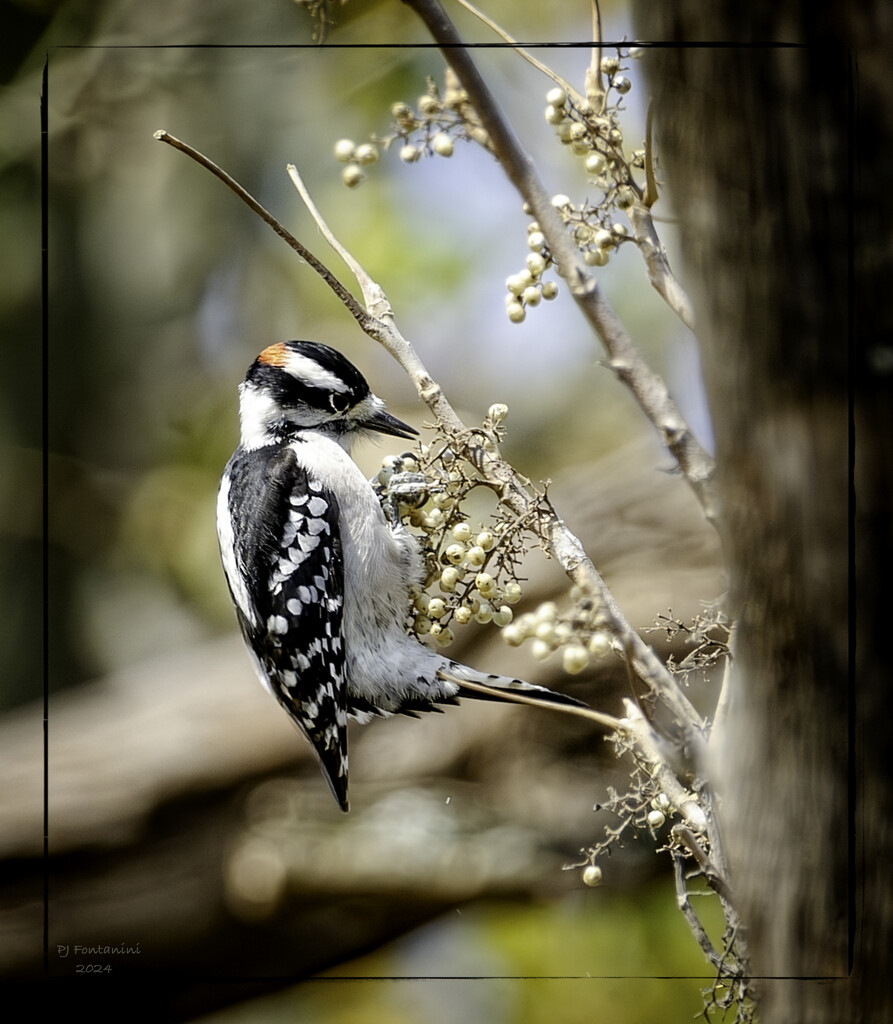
<point>257,410</point>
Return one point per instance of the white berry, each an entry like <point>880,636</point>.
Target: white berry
<point>592,875</point>
<point>610,65</point>
<point>476,555</point>
<point>536,264</point>
<point>442,144</point>
<point>599,644</point>
<point>595,257</point>
<point>366,154</point>
<point>344,150</point>
<point>352,175</point>
<point>547,612</point>
<point>444,637</point>
<point>515,284</point>
<point>461,532</point>
<point>503,616</point>
<point>540,650</point>
<point>595,164</point>
<point>515,312</point>
<point>485,538</point>
<point>512,635</point>
<point>575,658</point>
<point>455,553</point>
<point>484,613</point>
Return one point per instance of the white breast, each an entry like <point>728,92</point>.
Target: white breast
<point>380,565</point>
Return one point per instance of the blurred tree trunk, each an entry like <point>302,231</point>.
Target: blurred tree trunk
<point>778,160</point>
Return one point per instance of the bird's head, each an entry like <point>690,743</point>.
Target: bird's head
<point>295,386</point>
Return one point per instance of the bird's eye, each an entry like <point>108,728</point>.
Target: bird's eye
<point>339,400</point>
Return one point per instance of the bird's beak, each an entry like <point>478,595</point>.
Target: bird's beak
<point>385,423</point>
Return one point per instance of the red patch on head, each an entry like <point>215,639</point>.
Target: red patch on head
<point>275,355</point>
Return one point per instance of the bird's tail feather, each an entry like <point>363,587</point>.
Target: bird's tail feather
<point>483,686</point>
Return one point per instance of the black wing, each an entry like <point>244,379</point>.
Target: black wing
<point>287,541</point>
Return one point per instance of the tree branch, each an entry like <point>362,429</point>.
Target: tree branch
<point>663,280</point>
<point>623,356</point>
<point>683,901</point>
<point>595,85</point>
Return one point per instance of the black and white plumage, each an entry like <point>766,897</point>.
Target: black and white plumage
<point>320,578</point>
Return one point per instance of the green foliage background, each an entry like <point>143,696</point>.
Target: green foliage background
<point>595,956</point>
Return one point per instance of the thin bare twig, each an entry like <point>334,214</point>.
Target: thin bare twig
<point>663,280</point>
<point>373,296</point>
<point>648,743</point>
<point>544,68</point>
<point>717,728</point>
<point>683,901</point>
<point>650,196</point>
<point>709,870</point>
<point>595,84</point>
<point>337,287</point>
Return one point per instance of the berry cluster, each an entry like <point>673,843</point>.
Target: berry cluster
<point>431,127</point>
<point>471,568</point>
<point>592,129</point>
<point>644,807</point>
<point>581,635</point>
<point>527,287</point>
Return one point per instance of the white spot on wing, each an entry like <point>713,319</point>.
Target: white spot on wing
<point>317,506</point>
<point>317,526</point>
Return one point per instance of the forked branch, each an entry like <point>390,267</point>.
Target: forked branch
<point>623,356</point>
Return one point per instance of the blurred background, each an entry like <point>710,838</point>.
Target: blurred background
<point>187,819</point>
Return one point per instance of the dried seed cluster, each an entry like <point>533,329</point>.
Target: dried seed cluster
<point>431,127</point>
<point>471,569</point>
